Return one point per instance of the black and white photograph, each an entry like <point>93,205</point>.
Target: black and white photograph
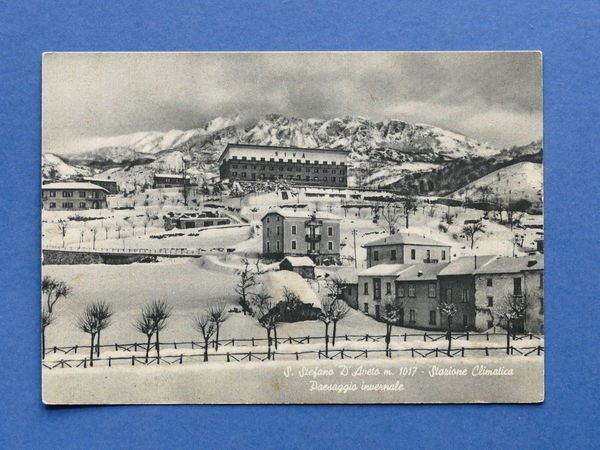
<point>292,227</point>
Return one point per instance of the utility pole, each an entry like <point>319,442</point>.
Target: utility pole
<point>355,260</point>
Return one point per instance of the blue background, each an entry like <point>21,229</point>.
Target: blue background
<point>567,32</point>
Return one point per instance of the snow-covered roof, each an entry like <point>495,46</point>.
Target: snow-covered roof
<point>170,175</point>
<point>466,265</point>
<point>383,270</point>
<point>73,185</point>
<point>512,265</point>
<point>406,238</point>
<point>421,272</point>
<point>301,214</point>
<point>101,180</point>
<point>299,261</point>
<point>258,151</point>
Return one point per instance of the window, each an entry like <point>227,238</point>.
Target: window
<point>517,286</point>
<point>329,231</point>
<point>267,220</point>
<point>293,245</point>
<point>541,281</point>
<point>329,245</point>
<point>67,204</point>
<point>377,288</point>
<point>268,232</point>
<point>82,204</point>
<point>412,316</point>
<point>341,179</point>
<point>432,290</point>
<point>349,290</point>
<point>52,193</point>
<point>393,257</point>
<point>489,282</point>
<point>234,174</point>
<point>413,254</point>
<point>52,204</point>
<point>465,295</point>
<point>81,194</point>
<point>244,166</point>
<point>411,290</point>
<point>448,295</point>
<point>293,229</point>
<point>277,230</point>
<point>432,318</point>
<point>67,194</point>
<point>268,247</point>
<point>541,304</point>
<point>490,300</point>
<point>316,170</point>
<point>366,289</point>
<point>443,255</point>
<point>375,255</point>
<point>428,255</point>
<point>366,308</point>
<point>277,245</point>
<point>400,290</point>
<point>234,166</point>
<point>243,174</point>
<point>388,288</point>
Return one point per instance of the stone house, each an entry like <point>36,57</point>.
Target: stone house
<point>73,196</point>
<point>302,265</point>
<point>376,287</point>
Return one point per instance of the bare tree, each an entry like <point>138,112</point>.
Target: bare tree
<point>326,317</point>
<point>118,228</point>
<point>205,325</point>
<point>106,227</point>
<point>145,325</point>
<point>87,323</point>
<point>247,280</point>
<point>268,318</point>
<point>471,230</point>
<point>485,192</point>
<point>103,313</point>
<point>63,225</point>
<point>146,222</point>
<point>409,205</point>
<point>53,174</point>
<point>132,224</point>
<point>339,308</point>
<point>54,290</point>
<point>218,314</point>
<point>391,215</point>
<point>392,315</point>
<point>94,231</point>
<point>159,311</point>
<point>509,309</point>
<point>47,319</point>
<point>449,310</point>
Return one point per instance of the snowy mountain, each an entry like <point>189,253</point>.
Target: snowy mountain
<point>55,168</point>
<point>382,153</point>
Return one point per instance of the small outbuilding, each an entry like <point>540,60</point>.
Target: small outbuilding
<point>302,265</point>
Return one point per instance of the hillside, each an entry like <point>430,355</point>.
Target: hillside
<point>54,167</point>
<point>521,181</point>
<point>411,158</point>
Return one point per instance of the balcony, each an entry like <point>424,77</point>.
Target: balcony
<point>315,238</point>
<point>431,260</point>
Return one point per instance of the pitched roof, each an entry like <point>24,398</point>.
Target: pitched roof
<point>103,180</point>
<point>170,175</point>
<point>303,149</point>
<point>421,272</point>
<point>73,185</point>
<point>383,270</point>
<point>466,265</point>
<point>406,238</point>
<point>301,213</point>
<point>299,261</point>
<point>513,264</point>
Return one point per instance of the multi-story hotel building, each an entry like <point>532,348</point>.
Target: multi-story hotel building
<point>301,233</point>
<point>306,166</point>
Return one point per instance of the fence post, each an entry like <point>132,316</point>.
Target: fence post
<point>342,353</point>
<point>404,337</point>
<point>175,345</point>
<point>192,345</point>
<point>274,355</point>
<point>55,349</point>
<point>539,349</point>
<point>232,342</point>
<point>346,336</point>
<point>487,336</point>
<point>228,357</point>
<point>252,341</point>
<point>133,360</point>
<point>530,336</point>
<point>249,356</point>
<point>424,337</point>
<point>367,354</point>
<point>308,339</point>
<point>319,354</point>
<point>84,363</point>
<point>511,349</point>
<point>181,358</point>
<point>412,352</point>
<point>109,361</point>
<point>76,349</point>
<point>462,352</point>
<point>367,337</point>
<point>487,352</point>
<point>436,352</point>
<point>299,358</point>
<point>467,335</point>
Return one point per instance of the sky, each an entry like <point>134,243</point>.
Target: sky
<point>495,97</point>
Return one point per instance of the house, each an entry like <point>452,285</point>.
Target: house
<point>456,284</point>
<point>417,291</point>
<point>302,265</point>
<point>305,166</point>
<point>167,180</point>
<point>348,278</point>
<point>194,219</point>
<point>405,248</point>
<point>288,232</point>
<point>110,185</point>
<point>73,196</point>
<point>508,277</point>
<point>376,287</point>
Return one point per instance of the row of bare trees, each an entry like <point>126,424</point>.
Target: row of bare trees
<point>52,291</point>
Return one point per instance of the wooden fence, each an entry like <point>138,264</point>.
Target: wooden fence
<point>250,356</point>
<point>253,341</point>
